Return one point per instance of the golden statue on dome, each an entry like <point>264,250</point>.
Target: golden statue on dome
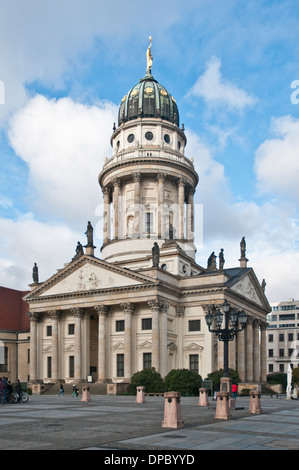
<point>149,58</point>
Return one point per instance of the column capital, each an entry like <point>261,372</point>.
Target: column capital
<point>181,181</point>
<point>180,311</point>
<point>101,309</point>
<point>34,316</point>
<point>136,175</point>
<point>127,307</point>
<point>54,314</point>
<point>116,182</point>
<point>161,177</point>
<point>78,312</point>
<point>158,305</point>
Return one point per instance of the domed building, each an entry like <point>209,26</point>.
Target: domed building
<point>143,302</point>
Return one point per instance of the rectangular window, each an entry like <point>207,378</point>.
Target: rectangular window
<point>281,337</point>
<point>120,365</point>
<point>146,324</point>
<point>149,223</point>
<point>4,358</point>
<point>193,363</point>
<point>147,360</point>
<point>270,352</point>
<point>271,368</point>
<point>290,337</point>
<point>270,338</point>
<point>49,330</point>
<point>71,329</point>
<point>281,353</point>
<point>72,366</point>
<point>49,367</point>
<point>120,325</point>
<point>194,325</point>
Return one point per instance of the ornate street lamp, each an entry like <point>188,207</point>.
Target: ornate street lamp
<point>234,322</point>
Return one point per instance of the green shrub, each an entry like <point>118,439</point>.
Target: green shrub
<point>296,375</point>
<point>150,379</point>
<point>277,378</point>
<point>245,392</point>
<point>183,381</point>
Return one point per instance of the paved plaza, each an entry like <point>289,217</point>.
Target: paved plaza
<point>117,423</point>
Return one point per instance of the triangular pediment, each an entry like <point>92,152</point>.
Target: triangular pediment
<point>88,274</point>
<point>248,286</point>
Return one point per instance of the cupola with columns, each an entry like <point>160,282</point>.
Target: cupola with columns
<point>148,184</point>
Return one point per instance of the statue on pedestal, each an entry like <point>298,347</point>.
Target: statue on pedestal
<point>156,255</point>
<point>35,273</point>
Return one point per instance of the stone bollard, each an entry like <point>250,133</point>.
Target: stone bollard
<point>203,397</point>
<point>140,397</point>
<point>85,394</point>
<point>255,402</point>
<point>222,406</point>
<point>172,411</point>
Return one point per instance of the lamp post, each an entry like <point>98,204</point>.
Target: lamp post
<point>234,322</point>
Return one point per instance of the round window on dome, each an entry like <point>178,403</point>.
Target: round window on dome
<point>149,135</point>
<point>130,138</point>
<point>167,138</point>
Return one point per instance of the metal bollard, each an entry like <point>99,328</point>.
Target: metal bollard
<point>172,411</point>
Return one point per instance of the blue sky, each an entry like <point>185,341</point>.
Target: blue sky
<point>64,68</point>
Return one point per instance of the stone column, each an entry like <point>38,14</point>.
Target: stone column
<point>249,349</point>
<point>128,309</point>
<point>55,315</point>
<point>161,226</point>
<point>137,215</point>
<point>34,318</point>
<point>156,307</point>
<point>78,314</point>
<point>102,311</point>
<point>116,193</point>
<point>106,216</point>
<point>256,351</point>
<point>180,313</point>
<point>263,367</point>
<point>241,355</point>
<point>163,339</point>
<point>181,198</point>
<point>190,215</point>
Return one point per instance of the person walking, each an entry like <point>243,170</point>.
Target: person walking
<point>234,390</point>
<point>61,391</point>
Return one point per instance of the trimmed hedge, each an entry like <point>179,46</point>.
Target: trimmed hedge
<point>184,381</point>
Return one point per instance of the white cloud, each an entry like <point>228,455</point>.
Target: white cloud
<point>64,145</point>
<point>26,241</point>
<point>270,228</point>
<point>277,160</point>
<point>216,91</point>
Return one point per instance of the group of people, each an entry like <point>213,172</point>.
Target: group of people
<point>6,389</point>
<point>74,394</point>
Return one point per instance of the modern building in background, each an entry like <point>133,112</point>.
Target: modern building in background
<point>14,335</point>
<point>282,335</point>
<point>143,303</point>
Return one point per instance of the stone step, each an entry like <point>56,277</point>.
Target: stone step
<point>94,388</point>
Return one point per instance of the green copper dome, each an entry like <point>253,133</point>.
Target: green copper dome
<point>148,99</point>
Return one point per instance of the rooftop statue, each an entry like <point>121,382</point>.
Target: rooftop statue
<point>149,58</point>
